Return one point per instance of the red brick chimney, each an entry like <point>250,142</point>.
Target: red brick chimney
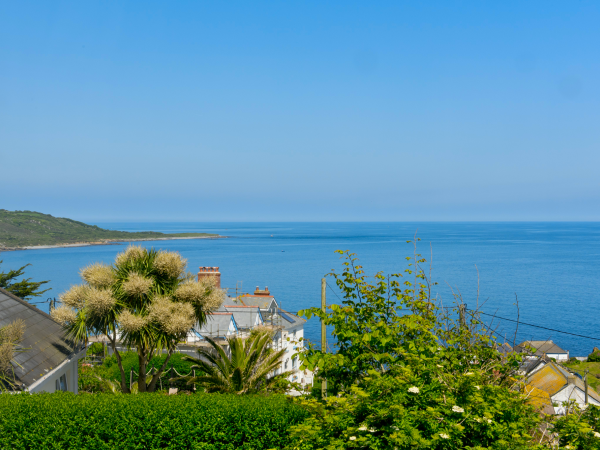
<point>207,272</point>
<point>264,292</point>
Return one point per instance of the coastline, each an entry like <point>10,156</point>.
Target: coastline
<point>106,242</point>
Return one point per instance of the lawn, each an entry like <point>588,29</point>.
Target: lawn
<point>593,367</point>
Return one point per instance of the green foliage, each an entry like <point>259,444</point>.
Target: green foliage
<point>24,288</point>
<point>95,378</point>
<point>594,357</point>
<point>148,297</point>
<point>410,375</point>
<point>593,368</point>
<point>29,228</point>
<point>244,370</point>
<point>579,430</point>
<point>146,421</point>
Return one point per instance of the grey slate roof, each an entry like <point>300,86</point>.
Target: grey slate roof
<point>45,343</point>
<point>217,324</point>
<point>262,301</point>
<point>541,347</point>
<point>245,316</point>
<point>285,319</point>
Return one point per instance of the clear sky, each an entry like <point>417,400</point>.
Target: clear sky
<point>298,110</point>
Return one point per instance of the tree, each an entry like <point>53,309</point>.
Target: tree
<point>410,374</point>
<point>245,371</point>
<point>145,300</point>
<point>23,289</point>
<point>10,337</point>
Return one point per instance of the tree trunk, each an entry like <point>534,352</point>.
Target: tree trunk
<point>152,386</point>
<point>142,375</point>
<point>113,344</point>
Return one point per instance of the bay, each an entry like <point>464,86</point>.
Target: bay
<point>553,268</point>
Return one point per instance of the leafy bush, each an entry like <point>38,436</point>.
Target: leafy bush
<point>594,357</point>
<point>411,375</point>
<point>145,421</point>
<point>109,370</point>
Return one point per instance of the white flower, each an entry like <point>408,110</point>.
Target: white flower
<point>362,429</point>
<point>596,434</point>
<point>457,409</point>
<point>469,374</point>
<point>444,436</point>
<point>478,420</point>
<point>489,420</point>
<point>352,438</point>
<point>413,390</point>
<point>372,430</point>
<point>568,446</point>
<point>477,387</point>
<point>394,428</point>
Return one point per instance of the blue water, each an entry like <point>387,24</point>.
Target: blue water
<point>554,268</point>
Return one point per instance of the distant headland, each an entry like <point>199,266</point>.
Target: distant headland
<point>22,230</point>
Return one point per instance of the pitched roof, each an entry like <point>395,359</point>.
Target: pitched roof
<point>245,316</point>
<point>45,343</point>
<point>285,319</point>
<point>540,399</point>
<point>217,324</point>
<point>553,378</point>
<point>539,347</point>
<point>262,301</point>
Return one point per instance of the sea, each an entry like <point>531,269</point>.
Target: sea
<point>546,275</point>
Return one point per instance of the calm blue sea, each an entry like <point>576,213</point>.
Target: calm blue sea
<point>554,268</point>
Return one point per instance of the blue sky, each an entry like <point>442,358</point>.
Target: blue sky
<point>314,111</point>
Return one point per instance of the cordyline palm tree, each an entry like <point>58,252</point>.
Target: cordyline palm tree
<point>246,371</point>
<point>145,300</point>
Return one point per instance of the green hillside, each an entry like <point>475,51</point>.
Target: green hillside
<point>28,228</point>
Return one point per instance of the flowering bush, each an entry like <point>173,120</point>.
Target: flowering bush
<point>409,375</point>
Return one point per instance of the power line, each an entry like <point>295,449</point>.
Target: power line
<point>536,326</point>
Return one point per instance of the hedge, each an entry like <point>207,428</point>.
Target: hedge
<point>145,421</point>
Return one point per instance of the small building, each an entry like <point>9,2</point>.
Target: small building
<point>544,349</point>
<point>246,317</point>
<point>48,360</point>
<point>562,386</point>
<point>219,325</point>
<point>289,331</point>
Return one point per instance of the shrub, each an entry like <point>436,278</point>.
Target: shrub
<point>145,421</point>
<point>594,357</point>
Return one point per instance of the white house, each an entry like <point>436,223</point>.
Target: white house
<point>289,331</point>
<point>48,362</point>
<point>544,349</point>
<point>562,386</point>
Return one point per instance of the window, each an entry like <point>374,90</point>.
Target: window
<point>294,359</point>
<point>61,383</point>
<point>285,364</point>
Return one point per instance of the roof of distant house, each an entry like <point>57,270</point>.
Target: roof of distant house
<point>262,301</point>
<point>245,316</point>
<point>553,378</point>
<point>217,324</point>
<point>540,399</point>
<point>45,344</point>
<point>539,347</point>
<point>283,318</point>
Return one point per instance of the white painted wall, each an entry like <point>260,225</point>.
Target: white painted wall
<point>558,356</point>
<point>47,382</point>
<point>571,392</point>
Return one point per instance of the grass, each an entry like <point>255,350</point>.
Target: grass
<point>20,229</point>
<point>593,367</point>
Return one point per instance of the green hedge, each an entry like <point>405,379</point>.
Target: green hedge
<point>145,421</point>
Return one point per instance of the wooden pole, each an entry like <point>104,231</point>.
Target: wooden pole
<point>323,334</point>
<point>586,386</point>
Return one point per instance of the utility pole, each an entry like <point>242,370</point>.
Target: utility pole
<point>323,334</point>
<point>462,313</point>
<point>585,381</point>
